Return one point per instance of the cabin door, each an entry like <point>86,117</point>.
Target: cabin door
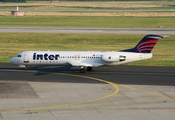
<point>26,57</point>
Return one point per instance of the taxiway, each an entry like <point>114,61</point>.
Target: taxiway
<point>106,93</point>
<point>89,30</point>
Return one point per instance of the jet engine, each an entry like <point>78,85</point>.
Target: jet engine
<point>113,58</point>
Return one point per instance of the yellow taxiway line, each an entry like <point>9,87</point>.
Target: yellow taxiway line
<point>114,85</point>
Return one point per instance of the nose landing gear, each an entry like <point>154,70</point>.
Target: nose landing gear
<point>25,68</point>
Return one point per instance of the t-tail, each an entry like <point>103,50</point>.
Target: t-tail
<point>146,45</point>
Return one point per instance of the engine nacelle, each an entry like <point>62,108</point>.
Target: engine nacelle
<point>113,58</point>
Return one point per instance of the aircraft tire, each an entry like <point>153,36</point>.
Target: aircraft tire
<point>89,68</point>
<point>82,70</point>
<point>25,68</point>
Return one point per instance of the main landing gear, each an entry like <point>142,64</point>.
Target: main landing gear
<point>89,68</point>
<point>83,70</point>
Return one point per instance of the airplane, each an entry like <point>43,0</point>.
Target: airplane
<point>88,59</point>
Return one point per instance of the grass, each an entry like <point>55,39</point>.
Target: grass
<point>113,8</point>
<point>88,4</point>
<point>90,22</point>
<point>12,43</point>
<point>86,15</point>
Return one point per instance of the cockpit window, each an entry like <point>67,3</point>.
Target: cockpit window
<point>18,55</point>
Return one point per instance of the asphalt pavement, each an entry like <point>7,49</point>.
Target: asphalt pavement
<point>107,93</point>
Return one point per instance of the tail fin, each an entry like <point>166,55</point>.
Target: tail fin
<point>145,45</point>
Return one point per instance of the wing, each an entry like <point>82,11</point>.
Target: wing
<point>79,64</point>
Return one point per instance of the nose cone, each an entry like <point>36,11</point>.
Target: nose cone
<point>14,60</point>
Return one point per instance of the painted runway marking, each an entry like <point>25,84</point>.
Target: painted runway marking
<point>147,92</point>
<point>114,85</point>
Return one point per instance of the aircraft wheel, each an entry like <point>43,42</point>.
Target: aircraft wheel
<point>89,68</point>
<point>83,70</point>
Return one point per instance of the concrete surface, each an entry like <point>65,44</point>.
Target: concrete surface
<point>114,93</point>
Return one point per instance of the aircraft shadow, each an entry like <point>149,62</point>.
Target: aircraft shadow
<point>131,75</point>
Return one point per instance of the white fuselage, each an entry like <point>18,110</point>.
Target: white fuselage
<point>77,58</point>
